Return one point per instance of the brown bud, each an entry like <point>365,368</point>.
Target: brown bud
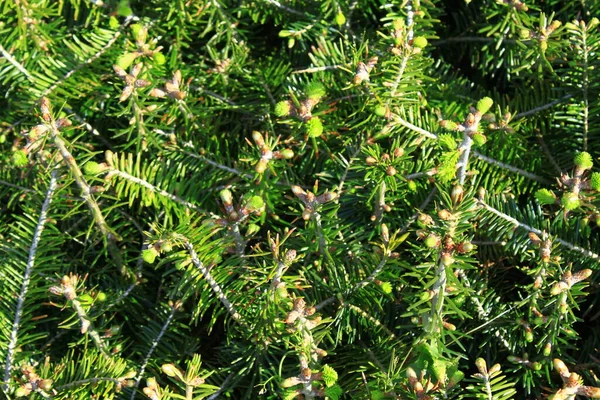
<point>371,160</point>
<point>444,215</point>
<point>45,109</point>
<point>391,171</point>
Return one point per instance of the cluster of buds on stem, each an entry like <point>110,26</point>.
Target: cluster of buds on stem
<point>314,384</point>
<point>569,280</point>
<point>542,35</point>
<point>36,136</point>
<point>172,88</point>
<point>404,43</point>
<point>470,127</point>
<point>131,80</point>
<point>142,48</point>
<point>267,154</point>
<point>189,380</point>
<point>387,162</point>
<point>544,245</point>
<point>526,328</point>
<point>364,69</point>
<point>310,383</point>
<point>67,287</point>
<point>534,365</point>
<point>572,384</point>
<point>447,244</point>
<point>573,186</point>
<point>303,109</point>
<point>32,383</point>
<point>255,205</point>
<point>312,202</point>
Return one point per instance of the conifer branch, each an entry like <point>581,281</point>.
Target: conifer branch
<point>155,343</point>
<point>528,228</point>
<point>12,185</point>
<point>13,337</point>
<point>87,381</point>
<point>154,189</point>
<point>87,327</point>
<point>509,167</point>
<point>371,319</point>
<point>14,62</point>
<point>542,107</point>
<point>312,70</point>
<point>286,8</point>
<point>86,193</point>
<point>91,59</point>
<point>212,282</point>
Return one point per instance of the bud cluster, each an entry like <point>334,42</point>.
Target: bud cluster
<point>141,48</point>
<point>36,136</point>
<point>573,186</point>
<point>312,202</point>
<point>254,205</point>
<point>31,382</point>
<point>471,125</point>
<point>267,154</point>
<point>363,70</point>
<point>131,80</point>
<point>572,384</point>
<point>172,88</point>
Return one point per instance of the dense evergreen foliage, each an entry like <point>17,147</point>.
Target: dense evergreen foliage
<point>299,199</point>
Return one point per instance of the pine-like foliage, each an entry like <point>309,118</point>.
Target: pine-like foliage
<point>299,199</point>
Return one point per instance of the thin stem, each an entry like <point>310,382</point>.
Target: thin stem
<point>437,301</point>
<point>155,342</point>
<point>39,228</point>
<point>585,91</point>
<point>547,152</point>
<point>213,283</point>
<point>86,327</point>
<point>412,127</point>
<point>12,185</point>
<point>519,224</point>
<point>87,196</point>
<point>508,167</point>
<point>216,395</point>
<point>286,8</point>
<point>398,78</point>
<point>151,187</point>
<point>542,107</point>
<point>85,382</point>
<point>317,69</point>
<point>463,160</point>
<point>371,319</point>
<point>14,62</point>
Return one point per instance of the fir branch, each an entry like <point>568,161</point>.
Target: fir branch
<point>286,8</point>
<point>155,343</point>
<point>371,319</point>
<point>212,282</point>
<point>13,338</point>
<point>542,107</point>
<point>528,228</point>
<point>312,70</point>
<point>91,59</point>
<point>154,189</point>
<point>87,381</point>
<point>86,193</point>
<point>406,124</point>
<point>14,62</point>
<point>508,167</point>
<point>87,327</point>
<point>12,185</point>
